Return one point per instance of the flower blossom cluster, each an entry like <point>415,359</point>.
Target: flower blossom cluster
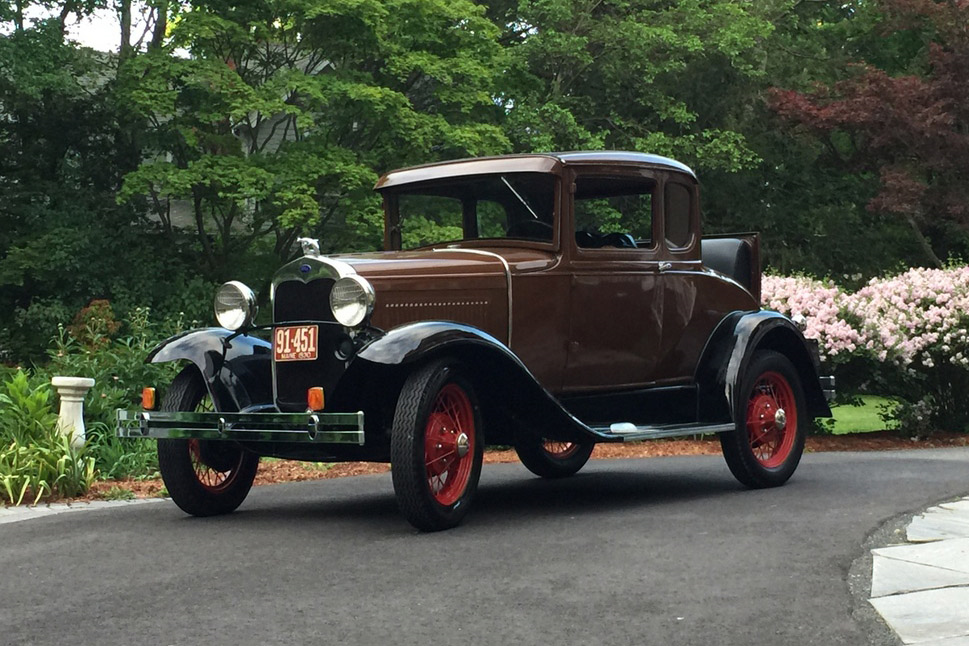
<point>917,317</point>
<point>820,304</point>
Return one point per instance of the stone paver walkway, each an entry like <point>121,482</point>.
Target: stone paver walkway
<point>921,588</point>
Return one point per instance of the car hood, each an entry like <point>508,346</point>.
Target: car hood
<point>465,286</point>
<point>450,263</point>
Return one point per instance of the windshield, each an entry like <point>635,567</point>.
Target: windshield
<point>511,206</point>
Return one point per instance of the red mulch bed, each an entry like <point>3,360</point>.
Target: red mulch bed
<point>286,471</point>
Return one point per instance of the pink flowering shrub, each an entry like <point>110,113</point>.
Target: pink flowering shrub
<point>917,322</point>
<point>906,335</point>
<point>820,304</point>
<point>916,319</point>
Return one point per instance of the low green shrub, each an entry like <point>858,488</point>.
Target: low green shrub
<point>118,493</point>
<point>35,459</point>
<point>113,354</point>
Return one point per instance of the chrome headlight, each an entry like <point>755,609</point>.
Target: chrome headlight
<point>351,300</point>
<point>235,305</point>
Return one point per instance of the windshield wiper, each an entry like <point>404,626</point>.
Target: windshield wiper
<point>520,198</point>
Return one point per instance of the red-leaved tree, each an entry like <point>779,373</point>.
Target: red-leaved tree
<point>912,130</point>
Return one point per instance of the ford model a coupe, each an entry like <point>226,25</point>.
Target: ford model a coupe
<point>548,302</point>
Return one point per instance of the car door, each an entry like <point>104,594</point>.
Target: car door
<point>616,297</point>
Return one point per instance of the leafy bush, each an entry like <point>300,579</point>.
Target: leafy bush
<point>820,303</point>
<point>906,336</point>
<point>113,355</point>
<point>916,325</point>
<point>35,459</point>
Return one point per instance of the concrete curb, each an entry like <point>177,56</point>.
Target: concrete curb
<point>27,512</point>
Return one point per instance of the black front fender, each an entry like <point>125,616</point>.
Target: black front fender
<point>731,349</point>
<point>510,394</point>
<point>237,370</point>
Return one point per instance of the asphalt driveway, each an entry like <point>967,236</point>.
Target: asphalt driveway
<point>654,551</point>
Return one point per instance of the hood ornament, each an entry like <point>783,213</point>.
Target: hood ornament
<point>311,246</point>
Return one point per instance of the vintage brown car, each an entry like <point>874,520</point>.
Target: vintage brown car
<point>546,301</point>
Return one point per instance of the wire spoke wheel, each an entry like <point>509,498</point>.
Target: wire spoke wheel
<point>436,446</point>
<point>214,478</point>
<point>765,448</point>
<point>449,444</point>
<point>549,458</point>
<point>560,450</point>
<point>771,420</point>
<point>203,477</point>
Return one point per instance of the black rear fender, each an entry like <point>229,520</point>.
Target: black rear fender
<point>237,371</point>
<point>730,350</point>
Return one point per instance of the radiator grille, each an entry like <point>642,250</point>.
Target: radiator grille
<point>298,301</point>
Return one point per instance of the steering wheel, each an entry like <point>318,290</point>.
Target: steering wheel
<point>621,240</point>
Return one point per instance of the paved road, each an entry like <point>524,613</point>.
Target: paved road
<point>660,551</point>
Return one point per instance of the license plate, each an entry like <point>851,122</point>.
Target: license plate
<point>296,343</point>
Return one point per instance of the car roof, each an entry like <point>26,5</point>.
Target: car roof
<point>524,163</point>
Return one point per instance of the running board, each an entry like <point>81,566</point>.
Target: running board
<point>627,432</point>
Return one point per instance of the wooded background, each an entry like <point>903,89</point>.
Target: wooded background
<point>216,133</point>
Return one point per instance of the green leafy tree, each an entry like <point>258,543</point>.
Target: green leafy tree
<point>65,143</point>
<point>900,120</point>
<point>285,113</point>
<point>624,75</point>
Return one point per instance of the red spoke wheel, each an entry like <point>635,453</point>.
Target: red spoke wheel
<point>436,447</point>
<point>448,444</point>
<point>769,429</point>
<point>766,447</point>
<point>560,450</point>
<point>552,458</point>
<point>217,465</point>
<point>204,478</point>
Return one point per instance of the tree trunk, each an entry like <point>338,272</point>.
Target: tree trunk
<point>124,16</point>
<point>924,243</point>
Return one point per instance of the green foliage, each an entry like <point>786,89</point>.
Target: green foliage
<point>117,364</point>
<point>287,112</point>
<point>118,493</point>
<point>622,75</point>
<point>35,459</point>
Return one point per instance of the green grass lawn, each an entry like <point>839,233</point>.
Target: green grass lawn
<point>860,419</point>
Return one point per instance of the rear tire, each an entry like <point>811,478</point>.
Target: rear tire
<point>204,478</point>
<point>771,421</point>
<point>553,459</point>
<point>436,447</point>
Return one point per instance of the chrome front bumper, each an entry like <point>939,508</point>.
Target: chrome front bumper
<point>314,428</point>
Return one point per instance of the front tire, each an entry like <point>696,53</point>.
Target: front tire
<point>204,478</point>
<point>770,415</point>
<point>436,447</point>
<point>551,458</point>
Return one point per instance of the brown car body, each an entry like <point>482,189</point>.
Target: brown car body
<point>528,324</point>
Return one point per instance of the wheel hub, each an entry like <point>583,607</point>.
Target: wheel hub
<point>463,444</point>
<point>780,419</point>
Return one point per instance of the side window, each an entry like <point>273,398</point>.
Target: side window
<point>677,222</point>
<point>613,212</point>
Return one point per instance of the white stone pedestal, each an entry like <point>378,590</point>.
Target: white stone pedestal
<point>71,391</point>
